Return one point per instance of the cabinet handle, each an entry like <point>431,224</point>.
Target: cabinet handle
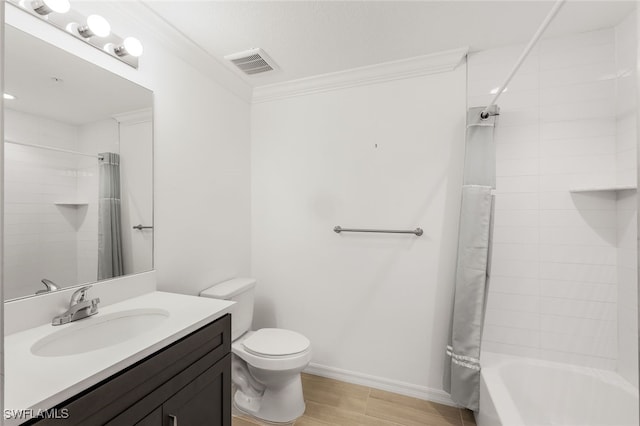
<point>174,420</point>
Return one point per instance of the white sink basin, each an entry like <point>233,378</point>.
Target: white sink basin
<point>99,332</point>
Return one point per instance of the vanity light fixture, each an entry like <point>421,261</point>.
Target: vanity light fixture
<point>45,7</point>
<point>96,26</point>
<point>94,30</point>
<point>8,96</point>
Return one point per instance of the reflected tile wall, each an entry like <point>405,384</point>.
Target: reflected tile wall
<point>39,234</point>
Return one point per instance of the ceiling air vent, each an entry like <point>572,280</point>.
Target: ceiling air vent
<point>252,61</point>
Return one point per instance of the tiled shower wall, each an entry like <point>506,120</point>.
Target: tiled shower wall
<point>555,267</point>
<point>627,205</point>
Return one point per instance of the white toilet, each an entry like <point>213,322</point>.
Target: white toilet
<point>266,364</point>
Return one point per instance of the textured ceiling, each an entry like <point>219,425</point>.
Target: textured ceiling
<point>307,38</point>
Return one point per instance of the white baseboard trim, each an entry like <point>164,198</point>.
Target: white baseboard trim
<point>402,388</point>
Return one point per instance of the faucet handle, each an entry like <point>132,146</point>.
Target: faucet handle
<point>50,286</point>
<point>80,295</point>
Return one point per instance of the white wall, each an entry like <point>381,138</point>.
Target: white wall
<point>136,172</point>
<point>554,289</point>
<point>202,178</point>
<point>385,155</point>
<point>201,136</point>
<point>2,296</point>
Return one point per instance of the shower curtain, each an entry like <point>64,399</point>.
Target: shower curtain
<point>462,366</point>
<point>109,225</point>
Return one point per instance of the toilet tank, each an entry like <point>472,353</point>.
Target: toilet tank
<point>241,291</point>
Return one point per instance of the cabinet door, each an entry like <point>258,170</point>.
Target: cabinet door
<point>153,419</point>
<point>204,401</point>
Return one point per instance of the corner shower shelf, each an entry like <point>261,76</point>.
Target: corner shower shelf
<point>605,188</point>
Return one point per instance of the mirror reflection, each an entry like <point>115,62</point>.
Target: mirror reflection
<point>78,170</point>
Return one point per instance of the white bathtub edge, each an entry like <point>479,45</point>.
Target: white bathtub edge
<point>497,404</point>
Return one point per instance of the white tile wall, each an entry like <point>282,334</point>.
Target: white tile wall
<point>557,256</point>
<point>627,211</point>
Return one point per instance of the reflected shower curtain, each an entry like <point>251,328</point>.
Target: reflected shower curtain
<point>109,224</point>
<point>462,367</point>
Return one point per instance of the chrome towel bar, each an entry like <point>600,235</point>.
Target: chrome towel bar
<point>417,231</point>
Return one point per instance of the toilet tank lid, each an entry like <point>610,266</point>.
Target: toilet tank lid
<point>228,289</point>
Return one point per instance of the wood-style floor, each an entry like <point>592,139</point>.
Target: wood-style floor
<point>331,402</point>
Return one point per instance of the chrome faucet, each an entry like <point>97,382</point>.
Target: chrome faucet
<point>50,286</point>
<point>79,307</point>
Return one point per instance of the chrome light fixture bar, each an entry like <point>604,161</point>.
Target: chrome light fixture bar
<point>93,30</point>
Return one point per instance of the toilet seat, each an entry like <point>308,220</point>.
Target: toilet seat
<point>271,362</point>
<point>275,342</point>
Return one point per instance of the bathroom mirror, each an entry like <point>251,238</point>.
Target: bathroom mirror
<point>78,185</point>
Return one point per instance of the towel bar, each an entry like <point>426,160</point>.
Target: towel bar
<point>417,231</point>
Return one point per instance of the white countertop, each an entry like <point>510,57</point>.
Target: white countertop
<point>36,382</point>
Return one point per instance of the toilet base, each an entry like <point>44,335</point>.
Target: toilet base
<point>281,403</point>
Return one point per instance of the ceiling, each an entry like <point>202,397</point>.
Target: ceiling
<point>50,82</point>
<point>307,38</point>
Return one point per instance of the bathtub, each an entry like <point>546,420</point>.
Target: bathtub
<point>518,391</point>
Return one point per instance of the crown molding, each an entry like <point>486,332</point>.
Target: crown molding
<point>134,117</point>
<point>142,17</point>
<point>379,73</point>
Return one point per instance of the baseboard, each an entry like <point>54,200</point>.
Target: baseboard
<point>402,388</point>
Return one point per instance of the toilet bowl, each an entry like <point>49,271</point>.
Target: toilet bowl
<point>266,363</point>
<point>274,359</point>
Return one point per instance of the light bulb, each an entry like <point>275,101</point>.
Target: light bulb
<point>45,7</point>
<point>133,46</point>
<point>98,25</point>
<point>8,96</point>
<point>130,46</point>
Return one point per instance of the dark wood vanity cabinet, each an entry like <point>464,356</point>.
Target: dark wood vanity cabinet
<point>187,383</point>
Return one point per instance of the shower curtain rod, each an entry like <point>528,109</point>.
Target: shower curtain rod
<point>554,11</point>
<point>50,148</point>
